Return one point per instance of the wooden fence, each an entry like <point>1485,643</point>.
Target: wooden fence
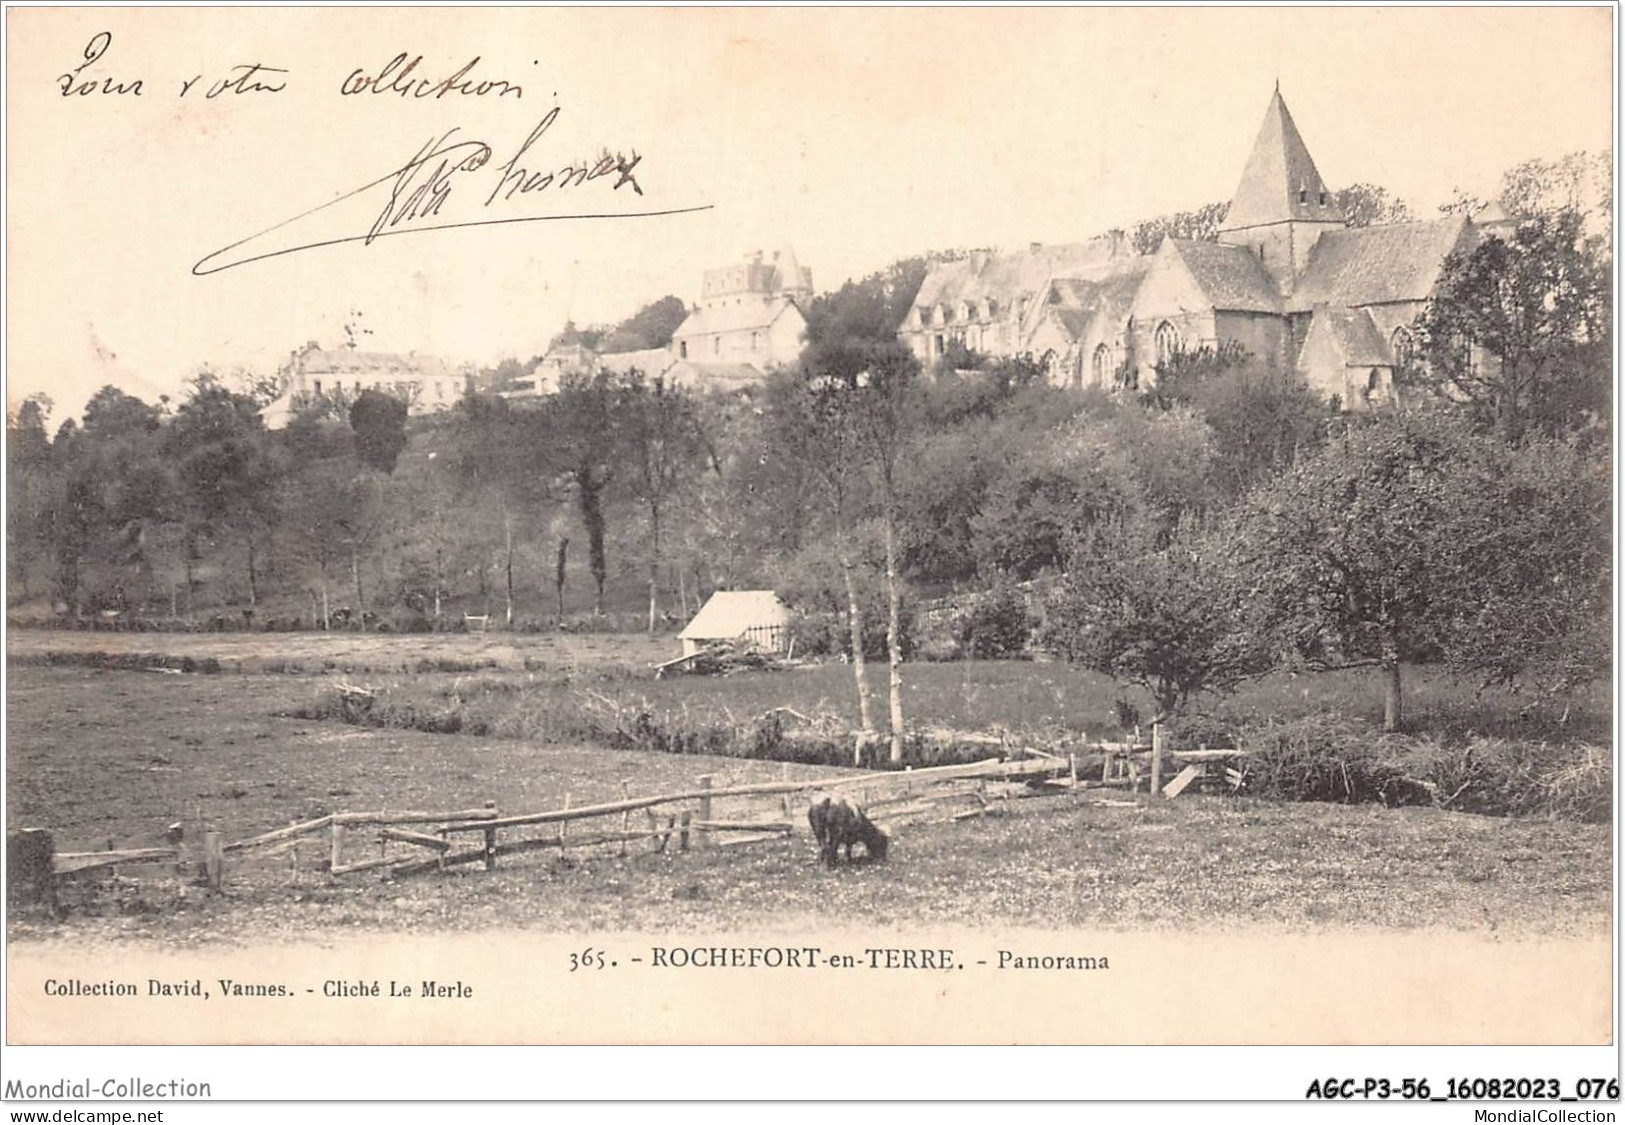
<point>407,842</point>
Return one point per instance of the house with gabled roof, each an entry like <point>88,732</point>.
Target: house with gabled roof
<point>749,314</point>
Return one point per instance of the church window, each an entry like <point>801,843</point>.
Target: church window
<point>317,383</point>
<point>1323,199</point>
<point>1102,369</point>
<point>682,349</point>
<point>755,341</point>
<point>1404,347</point>
<point>1166,339</point>
<point>716,344</point>
<point>1303,195</point>
<point>992,308</point>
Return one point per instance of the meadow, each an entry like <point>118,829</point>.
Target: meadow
<point>107,754</point>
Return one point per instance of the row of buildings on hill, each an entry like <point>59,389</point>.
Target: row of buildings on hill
<point>1287,280</point>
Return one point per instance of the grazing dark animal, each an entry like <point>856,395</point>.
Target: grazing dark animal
<point>838,824</point>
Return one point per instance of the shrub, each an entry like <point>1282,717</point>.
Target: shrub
<point>1328,757</point>
<point>997,625</point>
<point>819,633</point>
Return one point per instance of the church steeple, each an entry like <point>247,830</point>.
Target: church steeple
<point>1281,206</point>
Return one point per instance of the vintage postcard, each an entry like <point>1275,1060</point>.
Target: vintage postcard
<point>810,526</point>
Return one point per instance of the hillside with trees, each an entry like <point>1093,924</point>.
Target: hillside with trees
<point>1221,524</point>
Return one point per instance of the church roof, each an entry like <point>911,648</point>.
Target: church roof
<point>1355,336</point>
<point>1377,265</point>
<point>1231,277</point>
<point>733,318</point>
<point>1005,277</point>
<point>1093,305</point>
<point>1280,181</point>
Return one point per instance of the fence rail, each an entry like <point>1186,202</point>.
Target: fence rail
<point>691,816</point>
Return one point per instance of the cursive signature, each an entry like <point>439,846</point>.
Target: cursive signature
<point>451,183</point>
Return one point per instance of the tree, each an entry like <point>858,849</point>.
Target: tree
<point>876,384</point>
<point>1413,536</point>
<point>585,442</point>
<point>1050,491</point>
<point>379,422</point>
<point>1166,610</point>
<point>1540,563</point>
<point>1202,223</point>
<point>1520,329</point>
<point>227,467</point>
<point>115,489</point>
<point>1261,419</point>
<point>652,326</point>
<point>813,424</point>
<point>506,464</point>
<point>1184,371</point>
<point>872,307</point>
<point>665,448</point>
<point>1579,182</point>
<point>28,483</point>
<point>1365,205</point>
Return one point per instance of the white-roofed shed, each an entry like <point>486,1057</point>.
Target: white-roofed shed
<point>754,616</point>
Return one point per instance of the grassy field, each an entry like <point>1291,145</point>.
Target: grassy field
<point>105,756</point>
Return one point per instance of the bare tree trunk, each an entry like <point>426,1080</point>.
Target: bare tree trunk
<point>355,573</point>
<point>558,574</point>
<point>507,562</point>
<point>1393,712</point>
<point>894,649</point>
<point>253,577</point>
<point>327,609</point>
<point>439,580</point>
<point>854,618</point>
<point>654,566</point>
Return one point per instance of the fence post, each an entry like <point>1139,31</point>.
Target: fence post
<point>564,830</point>
<point>1156,758</point>
<point>626,817</point>
<point>682,831</point>
<point>31,867</point>
<point>335,854</point>
<point>214,867</point>
<point>702,839</point>
<point>490,842</point>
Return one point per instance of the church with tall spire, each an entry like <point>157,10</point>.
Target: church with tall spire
<point>1286,279</point>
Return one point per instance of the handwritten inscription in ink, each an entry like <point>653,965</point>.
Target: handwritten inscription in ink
<point>76,84</point>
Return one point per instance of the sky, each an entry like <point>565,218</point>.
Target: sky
<point>854,136</point>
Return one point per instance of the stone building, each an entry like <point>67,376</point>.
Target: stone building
<point>749,314</point>
<point>1286,279</point>
<point>427,385</point>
